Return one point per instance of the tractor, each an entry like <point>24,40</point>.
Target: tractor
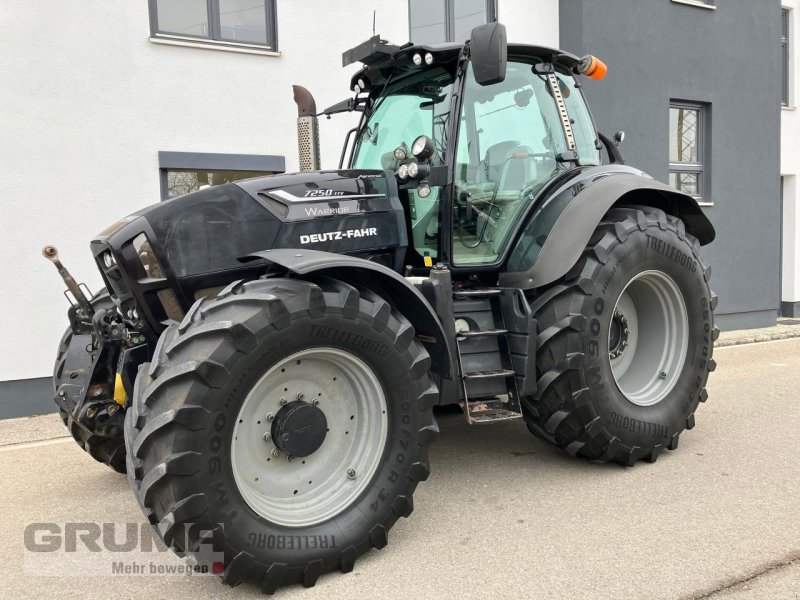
<point>267,355</point>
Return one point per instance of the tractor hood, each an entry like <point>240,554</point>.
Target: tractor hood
<point>199,239</point>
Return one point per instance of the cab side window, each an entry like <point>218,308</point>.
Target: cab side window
<point>507,146</point>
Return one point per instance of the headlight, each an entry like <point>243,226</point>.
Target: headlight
<point>401,153</point>
<point>417,58</point>
<point>428,58</point>
<point>402,172</point>
<point>422,147</point>
<point>413,170</point>
<point>108,259</point>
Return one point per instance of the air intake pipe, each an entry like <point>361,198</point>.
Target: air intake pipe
<point>307,129</point>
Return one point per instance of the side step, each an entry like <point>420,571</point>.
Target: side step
<point>488,374</point>
<point>486,411</point>
<point>505,405</point>
<point>482,333</point>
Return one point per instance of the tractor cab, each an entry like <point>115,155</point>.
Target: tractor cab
<point>473,133</point>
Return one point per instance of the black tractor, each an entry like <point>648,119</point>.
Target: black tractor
<point>267,355</point>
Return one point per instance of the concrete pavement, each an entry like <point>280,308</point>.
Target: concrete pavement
<point>503,515</point>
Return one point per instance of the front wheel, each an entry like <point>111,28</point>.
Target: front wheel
<point>625,342</point>
<point>287,421</point>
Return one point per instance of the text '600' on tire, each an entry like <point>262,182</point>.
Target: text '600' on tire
<point>625,342</point>
<point>288,422</point>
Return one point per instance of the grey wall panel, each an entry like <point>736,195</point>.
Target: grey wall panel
<point>657,50</point>
<point>26,397</point>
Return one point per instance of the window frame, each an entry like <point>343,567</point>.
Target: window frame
<point>709,4</point>
<point>203,161</point>
<point>215,39</point>
<point>450,18</point>
<point>786,52</point>
<point>701,166</point>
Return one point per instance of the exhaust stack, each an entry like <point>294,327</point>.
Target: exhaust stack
<point>307,129</point>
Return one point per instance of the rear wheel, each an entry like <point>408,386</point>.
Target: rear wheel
<point>288,418</point>
<point>625,342</point>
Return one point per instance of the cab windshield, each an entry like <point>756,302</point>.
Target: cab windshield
<point>415,106</point>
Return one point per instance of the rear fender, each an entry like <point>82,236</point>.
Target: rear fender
<point>557,232</point>
<point>383,281</point>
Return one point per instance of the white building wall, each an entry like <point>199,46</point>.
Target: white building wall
<point>86,103</point>
<point>790,167</point>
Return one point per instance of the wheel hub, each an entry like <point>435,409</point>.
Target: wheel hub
<point>299,429</point>
<point>618,334</point>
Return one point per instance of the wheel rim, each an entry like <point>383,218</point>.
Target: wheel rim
<point>299,492</point>
<point>648,338</point>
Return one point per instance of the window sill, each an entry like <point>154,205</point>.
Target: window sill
<point>696,3</point>
<point>705,202</point>
<point>789,108</point>
<point>212,45</point>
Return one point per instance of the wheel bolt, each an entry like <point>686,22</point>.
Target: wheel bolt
<point>285,437</point>
<point>299,395</point>
<point>315,402</point>
<point>351,473</point>
<point>626,330</point>
<point>276,452</point>
<point>270,417</point>
<point>283,401</point>
<point>91,413</point>
<point>662,375</point>
<point>267,437</point>
<point>290,458</point>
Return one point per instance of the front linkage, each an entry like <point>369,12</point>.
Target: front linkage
<point>89,388</point>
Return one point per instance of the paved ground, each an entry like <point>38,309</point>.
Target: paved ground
<point>503,516</point>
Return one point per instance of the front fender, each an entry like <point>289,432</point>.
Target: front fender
<point>557,232</point>
<point>383,281</point>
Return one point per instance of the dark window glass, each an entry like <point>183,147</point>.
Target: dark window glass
<point>186,17</point>
<point>428,21</point>
<point>466,15</point>
<point>439,21</point>
<point>243,21</point>
<point>686,182</point>
<point>249,22</point>
<point>683,134</point>
<point>185,181</point>
<point>688,170</point>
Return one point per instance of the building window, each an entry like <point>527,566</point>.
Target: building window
<point>224,22</point>
<point>186,172</point>
<point>785,57</point>
<point>439,21</point>
<point>688,147</point>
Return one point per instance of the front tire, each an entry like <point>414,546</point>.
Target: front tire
<point>217,413</point>
<point>625,343</point>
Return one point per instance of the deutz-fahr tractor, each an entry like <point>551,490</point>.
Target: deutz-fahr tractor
<point>266,357</point>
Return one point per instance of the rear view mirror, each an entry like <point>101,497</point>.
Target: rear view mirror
<point>489,53</point>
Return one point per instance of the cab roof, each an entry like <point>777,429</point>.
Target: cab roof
<point>383,61</point>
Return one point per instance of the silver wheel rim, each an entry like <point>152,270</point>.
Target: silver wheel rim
<point>299,492</point>
<point>648,338</point>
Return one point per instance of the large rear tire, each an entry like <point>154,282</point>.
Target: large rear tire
<point>105,443</point>
<point>322,371</point>
<point>625,343</point>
